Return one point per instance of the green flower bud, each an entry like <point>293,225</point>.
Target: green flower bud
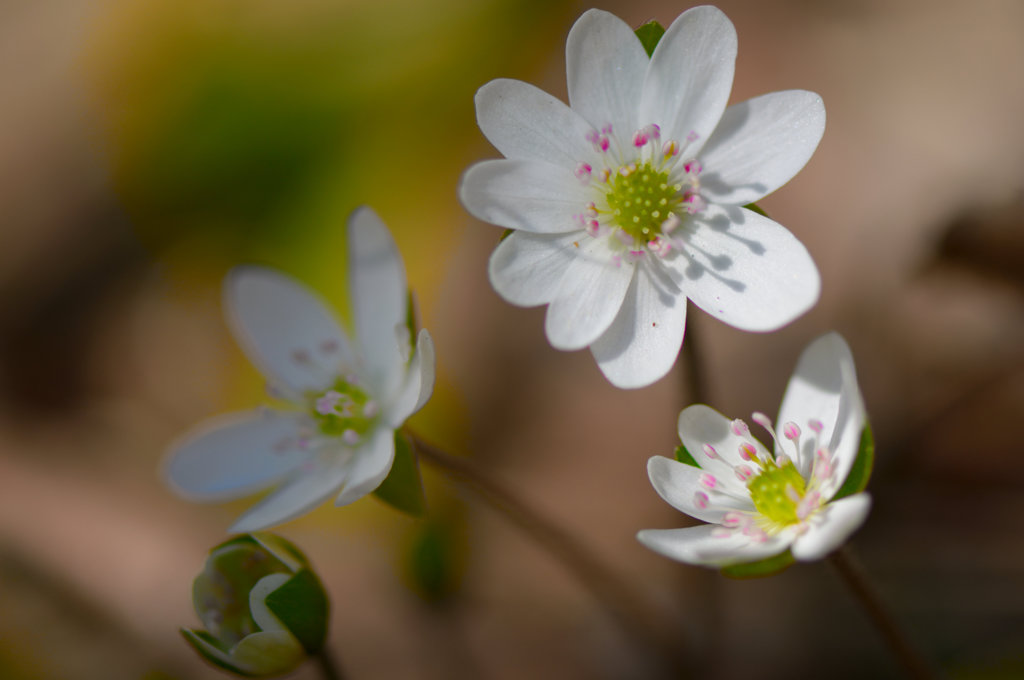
<point>263,608</point>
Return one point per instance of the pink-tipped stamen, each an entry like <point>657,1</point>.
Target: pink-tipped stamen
<point>694,203</point>
<point>700,499</point>
<point>710,451</point>
<point>747,451</point>
<point>708,481</point>
<point>659,246</point>
<point>328,403</point>
<point>739,428</point>
<point>671,223</point>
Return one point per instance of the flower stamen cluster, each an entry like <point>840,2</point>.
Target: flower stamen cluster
<point>780,494</point>
<point>639,193</point>
<point>346,410</point>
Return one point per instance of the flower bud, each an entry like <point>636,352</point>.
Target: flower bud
<point>263,608</point>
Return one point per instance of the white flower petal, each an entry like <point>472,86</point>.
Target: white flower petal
<point>699,425</point>
<point>641,345</point>
<point>369,466</point>
<point>708,545</point>
<point>746,270</point>
<point>521,194</point>
<point>309,486</point>
<point>824,388</point>
<point>589,297</point>
<point>759,145</point>
<point>233,456</point>
<point>379,299</point>
<point>268,653</point>
<point>679,485</point>
<point>525,122</point>
<point>690,76</point>
<point>419,382</point>
<point>831,526</point>
<point>605,65</point>
<point>526,269</point>
<point>258,608</point>
<point>285,328</point>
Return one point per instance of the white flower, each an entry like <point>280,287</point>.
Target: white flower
<point>758,505</point>
<point>345,397</point>
<point>629,201</point>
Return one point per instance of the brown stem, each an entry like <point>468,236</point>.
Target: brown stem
<point>695,385</point>
<point>627,606</point>
<point>329,669</point>
<point>853,575</point>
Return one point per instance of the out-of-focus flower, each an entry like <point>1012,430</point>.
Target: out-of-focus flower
<point>263,608</point>
<point>630,200</point>
<point>804,498</point>
<point>344,398</point>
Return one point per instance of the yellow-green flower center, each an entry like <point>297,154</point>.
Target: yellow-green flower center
<point>345,410</point>
<point>641,198</point>
<point>777,491</point>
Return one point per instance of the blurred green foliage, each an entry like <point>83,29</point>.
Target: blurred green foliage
<point>252,129</point>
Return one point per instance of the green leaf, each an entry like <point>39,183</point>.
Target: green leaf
<point>433,561</point>
<point>684,456</point>
<point>756,208</point>
<point>209,648</point>
<point>761,568</point>
<point>860,472</point>
<point>505,234</point>
<point>649,34</point>
<point>301,606</point>
<point>403,487</point>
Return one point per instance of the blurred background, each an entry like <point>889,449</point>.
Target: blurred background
<point>146,146</point>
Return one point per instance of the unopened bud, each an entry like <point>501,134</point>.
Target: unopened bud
<point>264,609</point>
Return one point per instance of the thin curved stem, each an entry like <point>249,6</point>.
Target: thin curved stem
<point>623,602</point>
<point>329,668</point>
<point>854,577</point>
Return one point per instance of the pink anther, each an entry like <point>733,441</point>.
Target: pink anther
<point>747,451</point>
<point>744,472</point>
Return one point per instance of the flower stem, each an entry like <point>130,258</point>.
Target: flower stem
<point>328,666</point>
<point>853,575</point>
<point>627,606</point>
<point>695,385</point>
